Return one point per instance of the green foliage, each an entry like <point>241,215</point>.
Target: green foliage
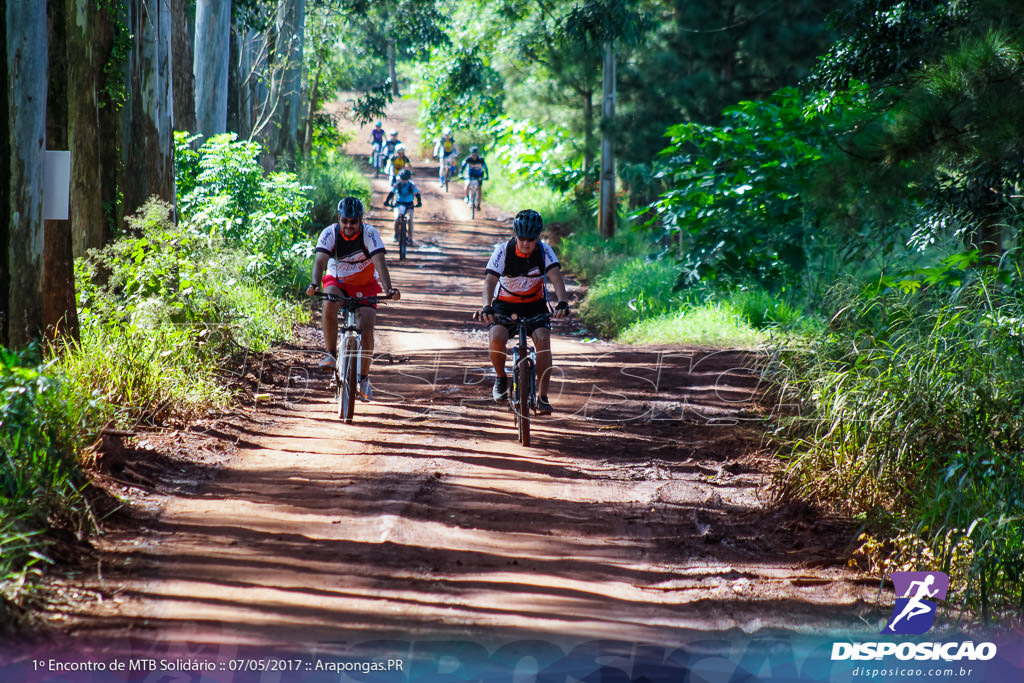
<point>738,195</point>
<point>231,199</point>
<point>40,483</point>
<point>459,89</point>
<point>913,415</point>
<point>158,311</point>
<point>531,152</point>
<point>331,175</point>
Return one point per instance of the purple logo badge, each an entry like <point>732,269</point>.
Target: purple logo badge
<point>914,612</point>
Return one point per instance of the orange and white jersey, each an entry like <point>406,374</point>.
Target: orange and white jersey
<point>521,277</point>
<point>351,261</point>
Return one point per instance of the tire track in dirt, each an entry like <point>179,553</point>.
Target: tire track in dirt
<point>639,512</point>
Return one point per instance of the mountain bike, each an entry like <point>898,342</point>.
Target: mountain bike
<point>376,159</point>
<point>522,391</point>
<point>350,351</point>
<point>401,228</point>
<point>449,172</point>
<point>474,196</point>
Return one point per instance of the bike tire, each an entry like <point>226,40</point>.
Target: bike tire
<point>472,205</point>
<point>524,380</point>
<point>403,238</point>
<point>349,377</point>
<point>447,175</point>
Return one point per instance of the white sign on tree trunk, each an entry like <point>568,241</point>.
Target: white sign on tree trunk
<point>56,185</point>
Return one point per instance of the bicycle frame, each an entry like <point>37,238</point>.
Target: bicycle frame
<point>402,229</point>
<point>350,351</point>
<point>522,395</point>
<point>473,186</point>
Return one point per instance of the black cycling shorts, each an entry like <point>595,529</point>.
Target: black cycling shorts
<point>523,310</point>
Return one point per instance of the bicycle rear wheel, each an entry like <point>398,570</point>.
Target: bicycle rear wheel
<point>349,376</point>
<point>524,378</point>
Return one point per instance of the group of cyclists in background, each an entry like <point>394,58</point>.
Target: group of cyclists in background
<point>350,261</point>
<point>389,152</point>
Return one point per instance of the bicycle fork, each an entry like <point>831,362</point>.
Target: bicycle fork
<point>531,361</point>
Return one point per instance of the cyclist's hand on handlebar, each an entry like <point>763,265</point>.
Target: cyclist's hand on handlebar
<point>311,290</point>
<point>485,314</point>
<point>561,310</point>
<point>394,293</point>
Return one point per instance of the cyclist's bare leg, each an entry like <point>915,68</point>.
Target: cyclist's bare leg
<point>479,194</point>
<point>408,224</point>
<point>367,319</point>
<point>329,323</point>
<point>499,341</point>
<point>542,343</point>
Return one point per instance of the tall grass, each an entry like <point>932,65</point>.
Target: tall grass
<point>40,482</point>
<point>913,419</point>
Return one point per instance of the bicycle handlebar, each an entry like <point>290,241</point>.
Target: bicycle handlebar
<point>343,299</point>
<point>506,320</point>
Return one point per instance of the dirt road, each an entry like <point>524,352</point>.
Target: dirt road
<point>641,510</point>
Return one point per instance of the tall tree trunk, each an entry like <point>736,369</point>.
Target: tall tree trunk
<point>5,186</point>
<point>588,134</point>
<point>87,51</point>
<point>234,93</point>
<point>60,317</point>
<point>290,25</point>
<point>212,57</point>
<point>147,116</point>
<point>606,214</point>
<point>183,37</point>
<point>26,66</point>
<point>314,95</point>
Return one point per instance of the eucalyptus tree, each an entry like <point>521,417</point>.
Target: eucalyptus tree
<point>147,150</point>
<point>25,62</point>
<point>210,65</point>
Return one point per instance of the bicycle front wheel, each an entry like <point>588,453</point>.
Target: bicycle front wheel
<point>403,237</point>
<point>524,380</point>
<point>349,376</point>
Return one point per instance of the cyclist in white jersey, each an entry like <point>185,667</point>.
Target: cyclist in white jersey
<point>515,283</point>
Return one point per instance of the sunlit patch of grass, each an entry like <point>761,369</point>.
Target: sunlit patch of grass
<point>709,324</point>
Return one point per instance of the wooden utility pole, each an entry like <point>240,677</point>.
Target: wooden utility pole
<point>606,214</point>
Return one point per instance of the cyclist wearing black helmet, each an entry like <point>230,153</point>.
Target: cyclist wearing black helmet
<point>477,170</point>
<point>401,197</point>
<point>349,260</point>
<point>515,283</point>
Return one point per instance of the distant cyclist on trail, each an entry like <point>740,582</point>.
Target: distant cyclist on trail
<point>349,260</point>
<point>477,170</point>
<point>397,163</point>
<point>376,139</point>
<point>515,284</point>
<point>404,193</point>
<point>446,151</point>
<point>390,144</point>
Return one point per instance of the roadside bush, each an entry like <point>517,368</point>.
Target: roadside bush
<point>223,193</point>
<point>40,482</point>
<point>159,311</point>
<point>913,419</point>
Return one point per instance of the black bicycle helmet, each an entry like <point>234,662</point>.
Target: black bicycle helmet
<point>350,207</point>
<point>528,224</point>
<point>474,150</point>
<point>405,174</point>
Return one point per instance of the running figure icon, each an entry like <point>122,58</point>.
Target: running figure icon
<point>914,608</point>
